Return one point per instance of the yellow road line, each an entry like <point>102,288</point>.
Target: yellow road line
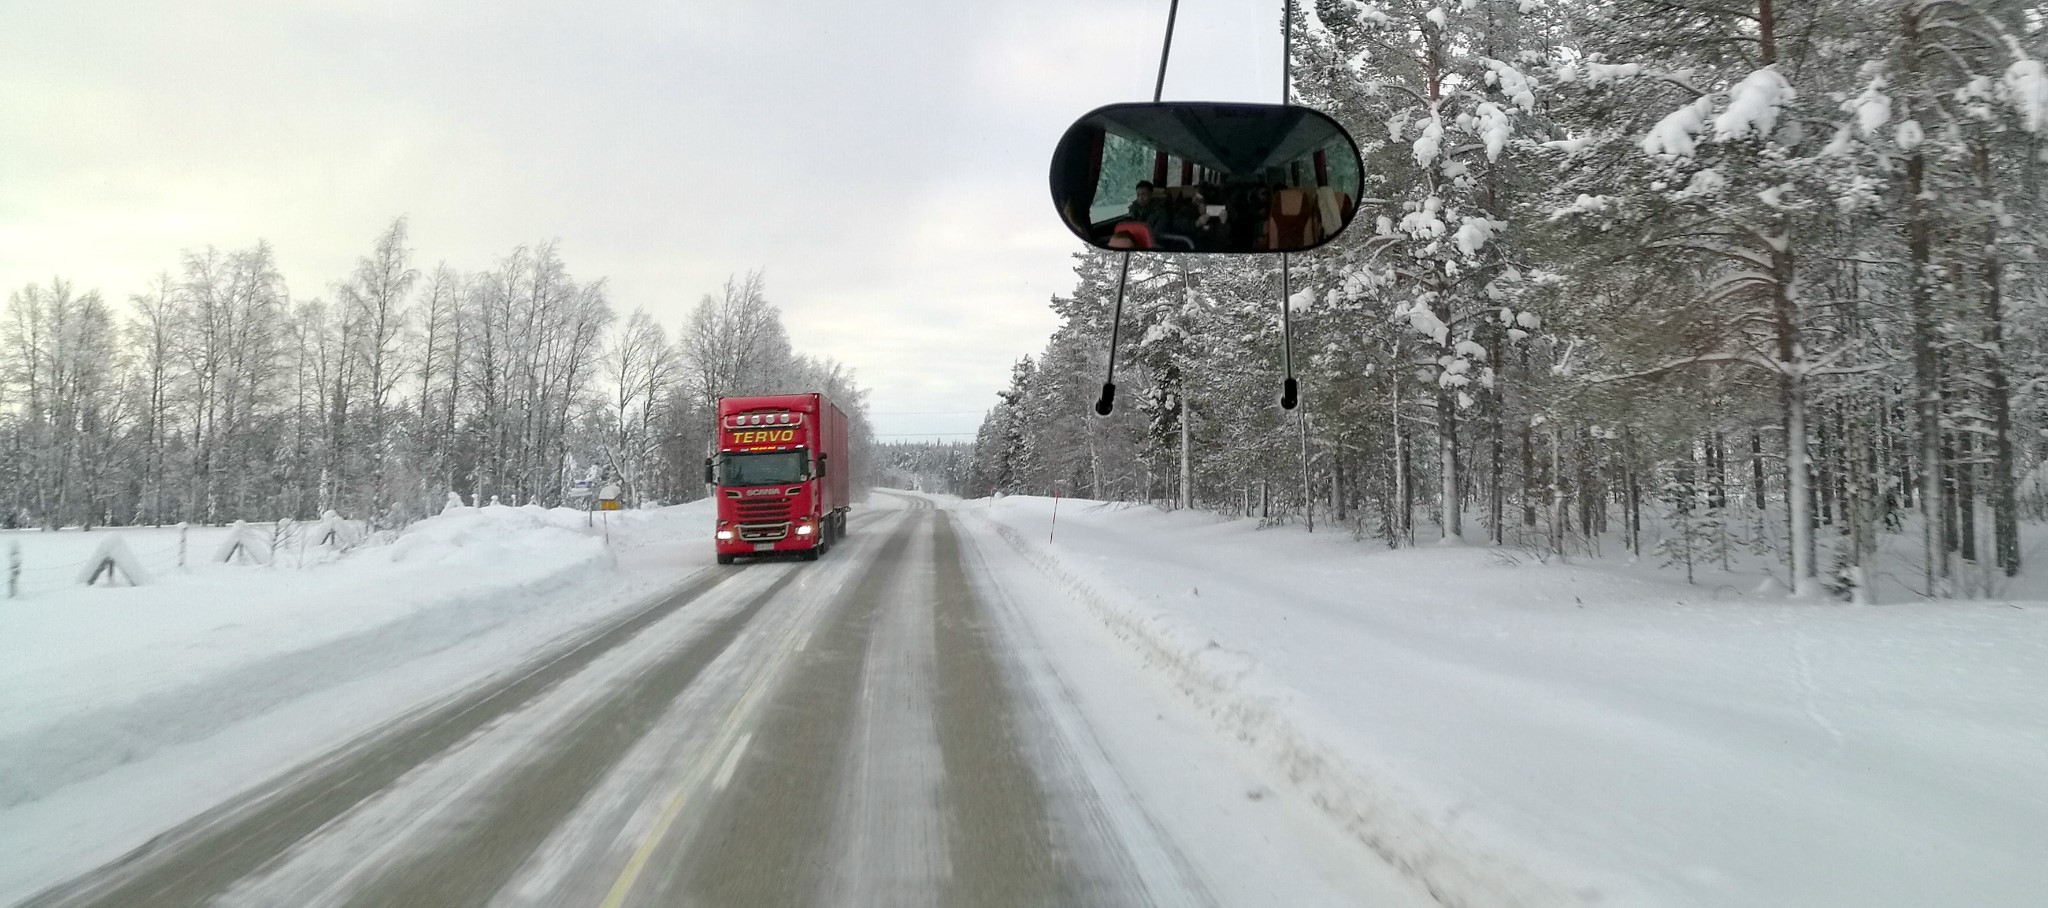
<point>700,768</point>
<point>637,864</point>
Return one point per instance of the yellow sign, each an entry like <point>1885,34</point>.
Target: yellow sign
<point>763,436</point>
<point>610,504</point>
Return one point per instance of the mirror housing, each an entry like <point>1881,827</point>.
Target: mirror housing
<point>710,477</point>
<point>1201,176</point>
<point>821,465</point>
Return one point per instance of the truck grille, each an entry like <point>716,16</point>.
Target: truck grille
<point>763,532</point>
<point>758,510</point>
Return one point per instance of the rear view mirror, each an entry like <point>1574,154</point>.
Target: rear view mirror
<point>1206,177</point>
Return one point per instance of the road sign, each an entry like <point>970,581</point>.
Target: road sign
<point>609,493</point>
<point>609,504</point>
<point>579,489</point>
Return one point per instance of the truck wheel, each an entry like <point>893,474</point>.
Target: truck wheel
<point>725,559</point>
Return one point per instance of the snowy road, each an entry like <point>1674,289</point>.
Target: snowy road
<point>892,725</point>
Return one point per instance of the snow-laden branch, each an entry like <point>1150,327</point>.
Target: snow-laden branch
<point>1736,283</point>
<point>1374,87</point>
<point>1864,369</point>
<point>1743,358</point>
<point>1736,253</point>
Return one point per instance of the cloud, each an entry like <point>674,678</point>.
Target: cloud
<point>884,161</point>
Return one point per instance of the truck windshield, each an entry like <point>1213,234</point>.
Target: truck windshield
<point>778,468</point>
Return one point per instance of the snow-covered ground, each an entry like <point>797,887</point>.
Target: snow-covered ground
<point>1515,732</point>
<point>217,676</point>
<point>1503,730</point>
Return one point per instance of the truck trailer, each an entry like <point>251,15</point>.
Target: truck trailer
<point>780,476</point>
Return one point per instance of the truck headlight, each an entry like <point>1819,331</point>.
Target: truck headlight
<point>725,534</point>
<point>804,530</point>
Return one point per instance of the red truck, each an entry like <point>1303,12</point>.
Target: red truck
<point>780,475</point>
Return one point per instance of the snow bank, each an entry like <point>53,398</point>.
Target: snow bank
<point>109,692</point>
<point>1513,732</point>
<point>1238,695</point>
<point>92,673</point>
<point>497,536</point>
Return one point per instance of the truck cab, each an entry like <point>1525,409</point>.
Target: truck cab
<point>779,476</point>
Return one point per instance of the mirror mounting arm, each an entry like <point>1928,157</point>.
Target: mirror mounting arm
<point>1290,390</point>
<point>1107,402</point>
<point>1172,13</point>
<point>1286,54</point>
<point>1288,387</point>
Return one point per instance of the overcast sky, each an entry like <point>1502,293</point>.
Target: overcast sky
<point>883,160</point>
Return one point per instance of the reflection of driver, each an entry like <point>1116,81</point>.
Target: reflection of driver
<point>1169,220</point>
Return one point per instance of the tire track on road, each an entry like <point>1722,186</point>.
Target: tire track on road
<point>200,859</point>
<point>766,840</point>
<point>1000,829</point>
<point>534,799</point>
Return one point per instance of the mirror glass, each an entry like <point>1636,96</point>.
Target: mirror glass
<point>1206,177</point>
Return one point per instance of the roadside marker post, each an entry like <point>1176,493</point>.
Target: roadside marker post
<point>580,491</point>
<point>608,500</point>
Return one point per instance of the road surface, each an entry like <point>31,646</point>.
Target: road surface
<point>900,723</point>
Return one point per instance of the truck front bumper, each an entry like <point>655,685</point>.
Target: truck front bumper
<point>740,544</point>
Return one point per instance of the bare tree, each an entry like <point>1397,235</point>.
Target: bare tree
<point>375,305</point>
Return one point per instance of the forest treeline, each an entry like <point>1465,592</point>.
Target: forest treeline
<point>217,394</point>
<point>1771,268</point>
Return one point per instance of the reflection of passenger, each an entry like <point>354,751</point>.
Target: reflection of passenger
<point>1175,228</point>
<point>1169,221</point>
<point>1247,217</point>
<point>1212,233</point>
<point>1130,235</point>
